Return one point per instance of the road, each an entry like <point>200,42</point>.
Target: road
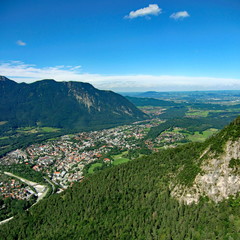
<point>6,220</point>
<point>40,189</point>
<point>53,186</point>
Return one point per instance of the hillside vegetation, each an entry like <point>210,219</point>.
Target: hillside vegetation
<point>133,201</point>
<point>69,105</point>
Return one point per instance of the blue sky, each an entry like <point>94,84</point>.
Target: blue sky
<point>134,45</point>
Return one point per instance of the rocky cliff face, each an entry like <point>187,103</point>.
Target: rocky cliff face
<point>219,177</point>
<point>96,100</point>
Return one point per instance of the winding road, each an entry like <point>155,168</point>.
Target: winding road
<point>40,189</point>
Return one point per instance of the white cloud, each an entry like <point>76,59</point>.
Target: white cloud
<point>21,72</point>
<point>21,43</point>
<point>180,15</point>
<point>152,9</point>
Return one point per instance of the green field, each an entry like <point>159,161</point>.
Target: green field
<point>93,166</point>
<point>38,129</point>
<point>49,129</point>
<point>146,130</point>
<point>198,137</point>
<point>204,113</point>
<point>2,138</point>
<point>53,139</point>
<point>27,130</point>
<point>119,159</point>
<point>197,113</point>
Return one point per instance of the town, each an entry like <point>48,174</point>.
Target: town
<point>14,188</point>
<point>63,160</point>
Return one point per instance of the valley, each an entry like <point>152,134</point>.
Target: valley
<point>59,158</point>
<point>147,197</point>
<point>119,120</point>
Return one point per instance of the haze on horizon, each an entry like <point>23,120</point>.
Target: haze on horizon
<point>167,45</point>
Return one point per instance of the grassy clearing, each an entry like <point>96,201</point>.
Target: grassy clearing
<point>204,113</point>
<point>3,147</point>
<point>119,159</point>
<point>177,130</point>
<point>200,137</point>
<point>49,129</point>
<point>3,122</point>
<point>2,138</point>
<point>53,139</point>
<point>93,166</point>
<point>146,130</point>
<point>196,137</point>
<point>38,129</point>
<point>27,130</point>
<point>197,113</point>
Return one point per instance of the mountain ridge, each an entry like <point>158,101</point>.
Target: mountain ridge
<point>71,105</point>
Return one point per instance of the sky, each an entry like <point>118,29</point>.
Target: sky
<point>123,45</point>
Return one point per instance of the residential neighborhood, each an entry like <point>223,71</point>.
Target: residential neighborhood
<point>63,160</point>
<point>14,188</point>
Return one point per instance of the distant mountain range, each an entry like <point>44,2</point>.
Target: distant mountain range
<point>146,101</point>
<point>71,105</point>
<point>188,96</point>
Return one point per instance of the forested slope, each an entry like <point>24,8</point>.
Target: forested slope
<point>69,105</point>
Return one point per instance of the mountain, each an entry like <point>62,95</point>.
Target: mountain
<point>72,105</point>
<point>218,176</point>
<point>189,192</point>
<point>141,101</point>
<point>149,94</point>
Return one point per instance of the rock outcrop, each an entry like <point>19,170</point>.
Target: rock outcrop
<point>218,180</point>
